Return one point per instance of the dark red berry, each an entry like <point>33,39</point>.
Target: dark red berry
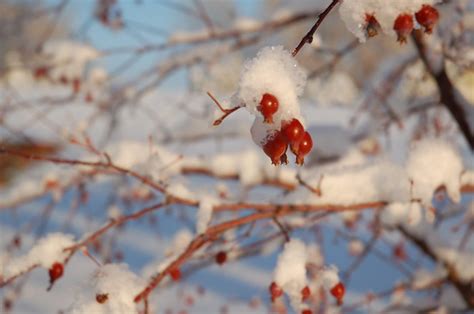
<point>403,26</point>
<point>338,292</point>
<point>399,252</point>
<point>275,148</point>
<point>76,85</point>
<point>305,293</point>
<point>101,297</point>
<point>55,272</point>
<point>268,107</point>
<point>175,274</point>
<point>221,257</point>
<point>427,16</point>
<point>306,311</point>
<point>303,148</point>
<point>292,131</point>
<point>275,290</point>
<point>372,27</point>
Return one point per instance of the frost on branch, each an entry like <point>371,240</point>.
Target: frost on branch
<point>433,164</point>
<point>290,272</point>
<point>110,290</point>
<point>204,213</point>
<point>45,253</point>
<point>364,18</point>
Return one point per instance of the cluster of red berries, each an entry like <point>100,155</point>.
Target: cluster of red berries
<point>403,25</point>
<point>337,292</point>
<point>291,133</point>
<point>427,17</point>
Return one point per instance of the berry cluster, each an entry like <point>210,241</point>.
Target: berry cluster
<point>291,133</point>
<point>427,17</point>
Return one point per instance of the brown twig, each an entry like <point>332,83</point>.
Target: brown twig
<point>308,38</point>
<point>225,111</point>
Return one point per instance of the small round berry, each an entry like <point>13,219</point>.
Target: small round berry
<point>338,292</point>
<point>399,252</point>
<point>292,131</point>
<point>306,311</point>
<point>221,257</point>
<point>304,148</point>
<point>403,26</point>
<point>268,107</point>
<point>372,27</point>
<point>275,148</point>
<point>275,290</point>
<point>175,274</point>
<point>55,272</point>
<point>101,298</point>
<point>427,16</point>
<point>305,293</point>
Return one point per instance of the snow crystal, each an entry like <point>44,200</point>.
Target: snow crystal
<point>45,253</point>
<point>290,272</point>
<point>330,277</point>
<point>117,283</point>
<point>434,163</point>
<point>355,247</point>
<point>204,213</point>
<point>353,13</point>
<point>68,57</point>
<point>273,71</point>
<point>407,214</point>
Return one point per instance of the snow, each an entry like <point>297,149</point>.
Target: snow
<point>44,253</point>
<point>407,214</point>
<point>329,276</point>
<point>355,247</point>
<point>434,163</point>
<point>353,13</point>
<point>337,89</point>
<point>115,281</point>
<point>273,71</point>
<point>204,213</point>
<point>290,271</point>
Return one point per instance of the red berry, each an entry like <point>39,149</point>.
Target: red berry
<point>338,292</point>
<point>175,274</point>
<point>306,311</point>
<point>101,297</point>
<point>63,80</point>
<point>268,106</point>
<point>403,26</point>
<point>303,148</point>
<point>305,293</point>
<point>275,148</point>
<point>292,131</point>
<point>40,72</point>
<point>76,85</point>
<point>55,272</point>
<point>221,257</point>
<point>399,252</point>
<point>427,16</point>
<point>372,27</point>
<point>275,290</point>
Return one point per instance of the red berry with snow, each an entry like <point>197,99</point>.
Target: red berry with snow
<point>55,272</point>
<point>338,292</point>
<point>268,107</point>
<point>303,148</point>
<point>275,290</point>
<point>305,293</point>
<point>306,311</point>
<point>403,26</point>
<point>427,16</point>
<point>275,148</point>
<point>372,27</point>
<point>221,257</point>
<point>293,131</point>
<point>175,274</point>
